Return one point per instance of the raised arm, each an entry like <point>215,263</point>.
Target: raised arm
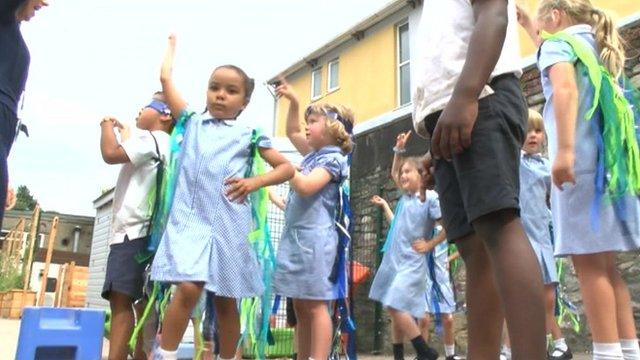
<point>384,205</point>
<point>112,152</point>
<point>398,152</point>
<point>172,97</point>
<point>295,132</point>
<point>527,23</point>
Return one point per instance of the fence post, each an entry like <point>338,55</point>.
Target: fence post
<point>378,325</point>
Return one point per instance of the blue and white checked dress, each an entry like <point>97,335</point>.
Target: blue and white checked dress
<point>579,228</point>
<point>206,235</point>
<point>307,249</point>
<point>400,282</point>
<point>535,185</point>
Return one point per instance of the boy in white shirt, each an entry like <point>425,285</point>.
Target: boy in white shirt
<point>141,152</point>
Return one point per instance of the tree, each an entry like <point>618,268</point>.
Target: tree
<point>24,199</point>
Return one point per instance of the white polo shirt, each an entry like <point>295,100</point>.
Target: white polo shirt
<point>136,181</point>
<point>441,50</point>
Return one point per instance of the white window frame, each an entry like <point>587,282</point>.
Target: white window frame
<point>313,83</point>
<point>332,63</point>
<point>400,65</point>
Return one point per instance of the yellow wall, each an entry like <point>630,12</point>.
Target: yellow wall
<point>617,8</point>
<point>366,77</point>
<point>368,71</point>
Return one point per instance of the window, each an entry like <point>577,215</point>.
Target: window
<point>333,70</point>
<point>404,76</point>
<point>316,83</point>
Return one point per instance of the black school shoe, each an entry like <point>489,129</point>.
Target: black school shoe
<point>432,354</point>
<point>565,355</point>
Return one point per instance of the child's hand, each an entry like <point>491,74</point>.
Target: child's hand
<point>124,130</point>
<point>523,17</point>
<point>377,200</point>
<point>427,181</point>
<point>167,63</point>
<point>562,169</point>
<point>401,140</point>
<point>453,131</point>
<point>422,246</point>
<point>239,188</point>
<point>285,90</point>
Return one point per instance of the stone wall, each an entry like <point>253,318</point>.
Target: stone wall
<point>370,176</point>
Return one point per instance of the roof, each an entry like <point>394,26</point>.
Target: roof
<point>354,32</point>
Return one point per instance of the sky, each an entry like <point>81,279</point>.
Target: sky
<point>94,58</point>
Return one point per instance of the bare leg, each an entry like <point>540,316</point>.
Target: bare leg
<point>178,313</point>
<point>228,325</point>
<point>122,321</point>
<point>518,279</point>
<point>598,295</point>
<point>484,307</point>
<point>424,326</point>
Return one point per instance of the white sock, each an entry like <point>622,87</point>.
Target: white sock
<point>506,351</point>
<point>630,349</point>
<point>449,350</point>
<point>221,358</point>
<point>560,344</point>
<point>607,351</point>
<point>166,354</point>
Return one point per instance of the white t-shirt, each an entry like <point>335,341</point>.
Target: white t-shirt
<point>441,50</point>
<point>137,179</point>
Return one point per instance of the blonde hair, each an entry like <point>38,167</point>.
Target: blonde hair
<point>335,128</point>
<point>610,43</point>
<point>414,161</point>
<point>535,121</point>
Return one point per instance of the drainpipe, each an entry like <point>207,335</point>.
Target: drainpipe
<point>76,238</point>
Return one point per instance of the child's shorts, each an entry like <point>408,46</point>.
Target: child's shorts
<point>124,273</point>
<point>485,177</point>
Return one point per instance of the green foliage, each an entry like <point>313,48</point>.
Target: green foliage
<point>24,199</point>
<point>10,274</point>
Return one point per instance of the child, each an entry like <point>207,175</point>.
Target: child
<point>308,245</point>
<point>468,100</point>
<point>440,298</point>
<point>587,227</point>
<point>399,283</point>
<point>535,189</point>
<point>139,153</point>
<point>205,243</point>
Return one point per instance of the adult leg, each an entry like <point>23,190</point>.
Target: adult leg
<point>518,279</point>
<point>484,306</point>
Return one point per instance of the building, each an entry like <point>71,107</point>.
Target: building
<point>367,67</point>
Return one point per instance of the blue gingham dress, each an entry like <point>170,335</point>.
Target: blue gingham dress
<point>443,302</point>
<point>535,185</point>
<point>308,246</point>
<point>579,227</point>
<point>400,280</point>
<point>206,235</point>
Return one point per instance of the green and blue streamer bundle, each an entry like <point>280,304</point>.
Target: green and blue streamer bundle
<point>254,312</point>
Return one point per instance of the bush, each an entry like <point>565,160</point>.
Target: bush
<point>10,274</point>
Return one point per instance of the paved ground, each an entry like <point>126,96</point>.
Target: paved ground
<point>9,330</point>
